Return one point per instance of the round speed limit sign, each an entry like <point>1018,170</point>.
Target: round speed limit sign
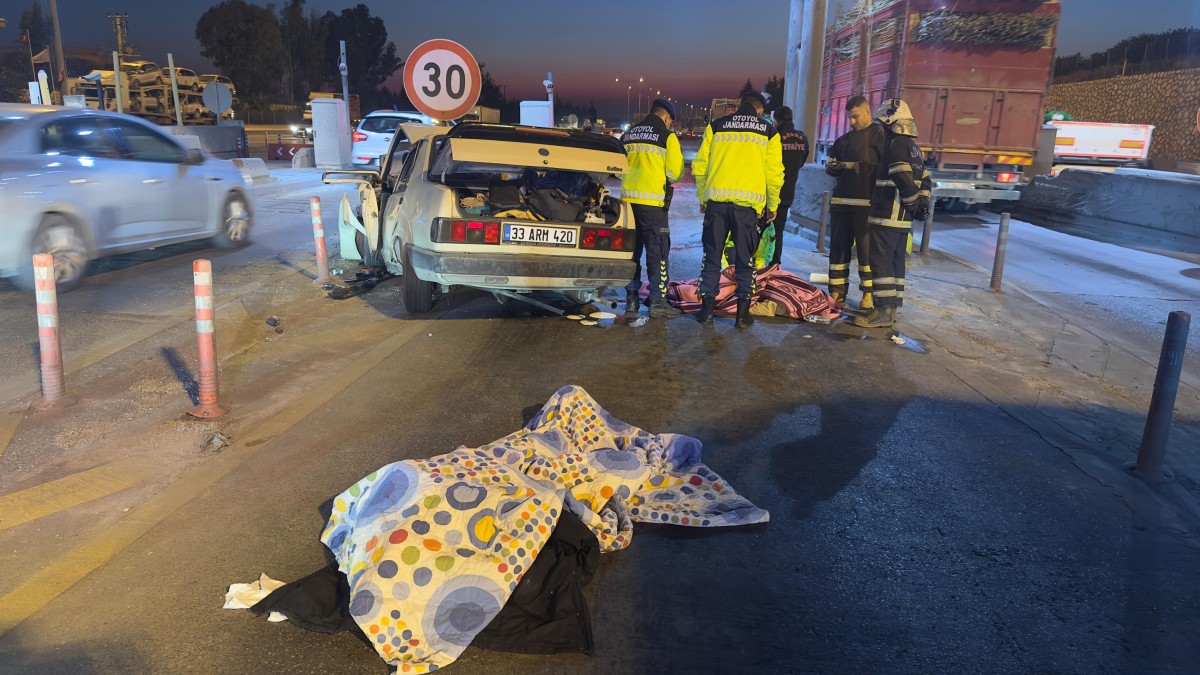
<point>442,79</point>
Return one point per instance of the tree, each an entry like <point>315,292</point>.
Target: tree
<point>774,88</point>
<point>747,88</point>
<point>39,25</point>
<point>370,57</point>
<point>14,75</point>
<point>304,49</point>
<point>243,41</point>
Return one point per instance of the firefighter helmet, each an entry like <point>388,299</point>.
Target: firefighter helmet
<point>895,115</point>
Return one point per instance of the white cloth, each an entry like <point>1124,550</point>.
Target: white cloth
<point>245,596</point>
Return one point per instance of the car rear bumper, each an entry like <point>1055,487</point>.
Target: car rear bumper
<point>520,272</point>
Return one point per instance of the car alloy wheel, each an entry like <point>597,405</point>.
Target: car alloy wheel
<point>62,240</point>
<point>235,223</point>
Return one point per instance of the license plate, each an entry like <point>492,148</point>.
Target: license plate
<point>539,235</point>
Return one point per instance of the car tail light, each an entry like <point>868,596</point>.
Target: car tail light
<point>605,239</point>
<point>359,137</point>
<point>474,232</point>
<point>589,239</point>
<point>491,233</point>
<point>458,230</point>
<point>618,240</point>
<point>1007,177</point>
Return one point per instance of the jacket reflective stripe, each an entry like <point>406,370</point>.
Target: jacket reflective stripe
<point>850,201</point>
<point>838,266</point>
<point>645,147</point>
<point>739,137</point>
<point>888,222</point>
<point>644,196</point>
<point>900,168</point>
<point>729,193</point>
<point>884,183</point>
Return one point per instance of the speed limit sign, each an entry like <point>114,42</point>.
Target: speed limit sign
<point>442,79</point>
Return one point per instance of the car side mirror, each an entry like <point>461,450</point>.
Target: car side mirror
<point>193,156</point>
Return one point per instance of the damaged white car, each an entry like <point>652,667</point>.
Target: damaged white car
<point>507,209</point>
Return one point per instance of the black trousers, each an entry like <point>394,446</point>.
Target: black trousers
<point>847,230</point>
<point>722,219</point>
<point>888,249</point>
<point>654,237</point>
<point>781,218</point>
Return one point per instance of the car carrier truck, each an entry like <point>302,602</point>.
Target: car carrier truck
<point>974,72</point>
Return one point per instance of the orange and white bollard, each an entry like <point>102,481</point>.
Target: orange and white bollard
<point>319,236</point>
<point>208,406</point>
<point>54,393</point>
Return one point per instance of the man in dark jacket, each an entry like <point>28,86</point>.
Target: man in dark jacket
<point>902,193</point>
<point>795,154</point>
<point>854,160</point>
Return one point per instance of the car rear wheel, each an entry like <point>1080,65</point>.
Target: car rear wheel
<point>418,294</point>
<point>62,239</point>
<point>235,223</point>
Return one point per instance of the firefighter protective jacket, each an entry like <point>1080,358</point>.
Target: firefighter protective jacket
<point>740,161</point>
<point>795,154</point>
<point>861,153</point>
<point>654,162</point>
<point>901,181</point>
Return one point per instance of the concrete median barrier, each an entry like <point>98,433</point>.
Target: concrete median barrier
<point>254,170</point>
<point>1166,202</point>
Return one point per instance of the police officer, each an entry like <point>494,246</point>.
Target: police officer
<point>795,153</point>
<point>902,191</point>
<point>854,160</point>
<point>738,171</point>
<point>655,162</point>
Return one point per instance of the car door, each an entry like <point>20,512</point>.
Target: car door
<point>176,205</point>
<point>85,172</point>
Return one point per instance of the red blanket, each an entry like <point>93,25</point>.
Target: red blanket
<point>794,297</point>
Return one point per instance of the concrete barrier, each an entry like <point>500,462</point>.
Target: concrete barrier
<point>303,159</point>
<point>254,170</point>
<point>1165,202</point>
<point>806,204</point>
<point>219,141</point>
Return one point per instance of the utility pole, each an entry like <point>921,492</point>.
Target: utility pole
<point>59,61</point>
<point>805,54</point>
<point>345,70</point>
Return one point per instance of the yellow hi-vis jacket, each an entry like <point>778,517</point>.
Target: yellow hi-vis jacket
<point>740,161</point>
<point>655,161</point>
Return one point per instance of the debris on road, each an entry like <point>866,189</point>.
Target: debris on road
<point>214,442</point>
<point>602,315</point>
<point>430,538</point>
<point>273,321</point>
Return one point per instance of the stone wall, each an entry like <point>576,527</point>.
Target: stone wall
<point>1168,100</point>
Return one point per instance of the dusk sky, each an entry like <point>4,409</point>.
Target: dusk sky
<point>694,50</point>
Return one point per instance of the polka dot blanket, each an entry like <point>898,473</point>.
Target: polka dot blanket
<point>433,548</point>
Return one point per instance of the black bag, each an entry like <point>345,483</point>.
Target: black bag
<point>573,183</point>
<point>504,195</point>
<point>554,204</point>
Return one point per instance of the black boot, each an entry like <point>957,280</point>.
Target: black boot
<point>662,310</point>
<point>880,317</point>
<point>706,311</point>
<point>743,313</point>
<point>631,304</point>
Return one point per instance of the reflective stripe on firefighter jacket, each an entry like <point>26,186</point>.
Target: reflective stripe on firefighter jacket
<point>655,161</point>
<point>740,161</point>
<point>901,180</point>
<point>861,153</point>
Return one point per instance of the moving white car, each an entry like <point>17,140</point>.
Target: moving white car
<point>185,78</point>
<point>456,210</point>
<point>80,184</point>
<point>143,73</point>
<point>374,134</point>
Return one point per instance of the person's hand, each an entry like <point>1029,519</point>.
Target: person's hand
<point>768,215</point>
<point>702,208</point>
<point>921,211</point>
<point>833,165</point>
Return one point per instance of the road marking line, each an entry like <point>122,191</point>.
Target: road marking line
<point>9,422</point>
<point>60,575</point>
<point>39,501</point>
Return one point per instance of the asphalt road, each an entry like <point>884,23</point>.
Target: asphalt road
<point>915,526</point>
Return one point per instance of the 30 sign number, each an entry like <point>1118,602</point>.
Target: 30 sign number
<point>442,79</point>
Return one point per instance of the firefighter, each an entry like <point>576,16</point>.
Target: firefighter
<point>795,154</point>
<point>854,160</point>
<point>655,162</point>
<point>738,171</point>
<point>901,194</point>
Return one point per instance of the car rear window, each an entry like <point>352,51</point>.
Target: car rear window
<point>382,124</point>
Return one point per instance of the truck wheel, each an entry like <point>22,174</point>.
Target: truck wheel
<point>62,239</point>
<point>418,295</point>
<point>235,223</point>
